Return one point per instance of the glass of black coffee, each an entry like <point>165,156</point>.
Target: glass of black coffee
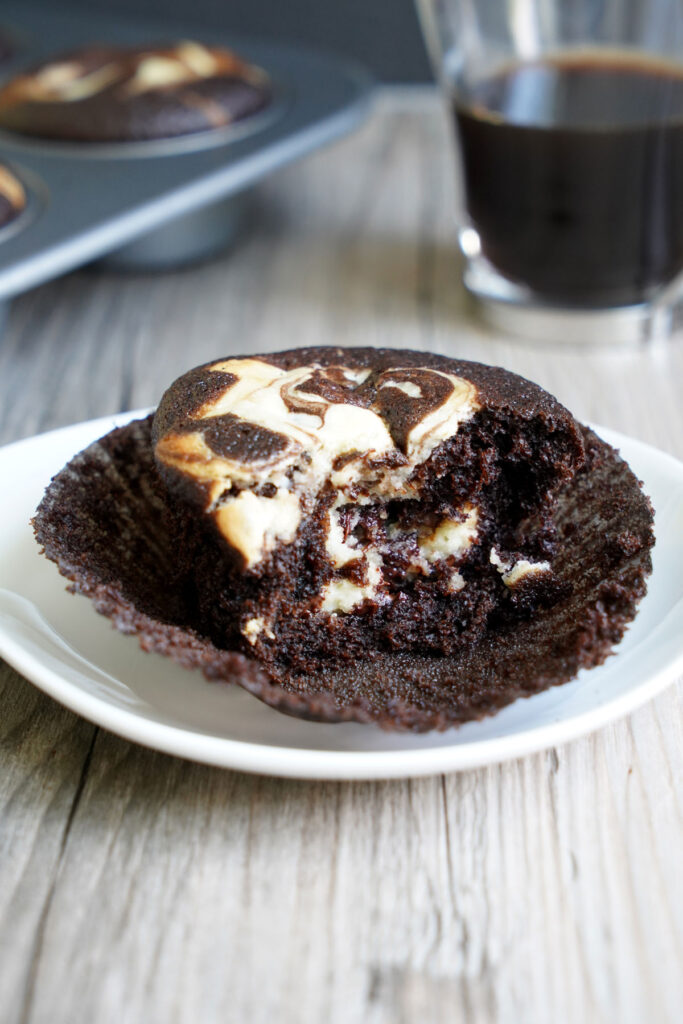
<point>568,117</point>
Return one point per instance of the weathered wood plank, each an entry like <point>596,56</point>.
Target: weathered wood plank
<point>44,757</point>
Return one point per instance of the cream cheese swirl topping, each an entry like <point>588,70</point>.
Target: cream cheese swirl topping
<point>268,439</point>
<point>136,71</point>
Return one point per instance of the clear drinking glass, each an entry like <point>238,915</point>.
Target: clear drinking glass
<point>568,117</point>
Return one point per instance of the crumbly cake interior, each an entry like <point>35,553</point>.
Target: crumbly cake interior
<point>336,510</point>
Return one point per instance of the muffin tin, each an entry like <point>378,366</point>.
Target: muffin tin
<point>165,202</point>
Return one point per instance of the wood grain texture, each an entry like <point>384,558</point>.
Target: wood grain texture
<point>137,887</point>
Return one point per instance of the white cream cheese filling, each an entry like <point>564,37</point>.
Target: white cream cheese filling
<point>450,538</point>
<point>157,72</point>
<point>65,82</point>
<point>408,387</point>
<point>512,572</point>
<point>254,523</point>
<point>343,595</point>
<point>253,628</point>
<point>187,62</point>
<point>316,434</point>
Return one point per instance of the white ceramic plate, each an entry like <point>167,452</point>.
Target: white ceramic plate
<point>62,645</point>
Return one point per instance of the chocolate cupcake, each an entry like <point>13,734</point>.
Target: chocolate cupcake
<point>12,196</point>
<point>109,94</point>
<point>359,534</point>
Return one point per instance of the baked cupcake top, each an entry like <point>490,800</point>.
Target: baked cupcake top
<point>12,196</point>
<point>108,94</point>
<point>254,441</point>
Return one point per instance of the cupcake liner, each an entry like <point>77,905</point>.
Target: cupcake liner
<point>103,521</point>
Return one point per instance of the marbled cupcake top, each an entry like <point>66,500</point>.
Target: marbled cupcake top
<point>265,441</point>
<point>104,93</point>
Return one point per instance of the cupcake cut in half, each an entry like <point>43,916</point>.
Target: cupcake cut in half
<point>114,94</point>
<point>359,534</point>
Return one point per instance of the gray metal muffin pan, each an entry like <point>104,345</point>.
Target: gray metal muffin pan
<point>167,202</point>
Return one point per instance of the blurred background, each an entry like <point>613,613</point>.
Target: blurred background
<point>382,34</point>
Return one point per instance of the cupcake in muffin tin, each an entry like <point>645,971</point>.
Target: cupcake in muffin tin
<point>113,94</point>
<point>145,154</point>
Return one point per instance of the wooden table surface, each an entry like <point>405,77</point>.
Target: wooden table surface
<point>138,887</point>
